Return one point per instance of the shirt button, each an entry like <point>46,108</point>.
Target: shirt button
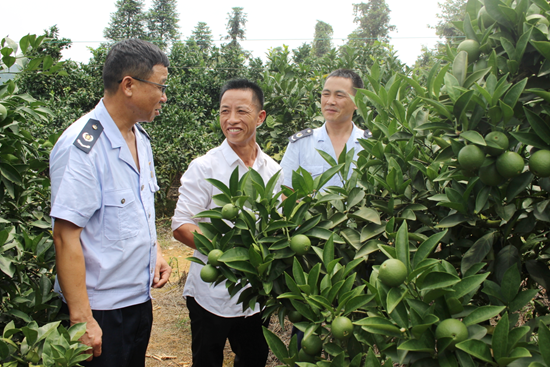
<point>142,187</point>
<point>122,201</point>
<point>149,215</point>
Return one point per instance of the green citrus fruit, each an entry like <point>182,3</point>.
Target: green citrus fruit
<point>213,257</point>
<point>539,163</point>
<point>471,157</point>
<point>304,357</point>
<point>294,316</point>
<point>510,164</point>
<point>497,143</point>
<point>3,112</point>
<point>341,327</point>
<point>209,273</point>
<point>229,211</point>
<point>300,244</point>
<point>392,272</point>
<point>485,17</point>
<point>452,328</point>
<point>312,345</point>
<point>488,173</point>
<point>471,47</point>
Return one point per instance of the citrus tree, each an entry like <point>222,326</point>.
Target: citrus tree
<point>435,251</point>
<point>28,307</point>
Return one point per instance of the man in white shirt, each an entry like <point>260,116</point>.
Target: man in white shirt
<point>215,316</point>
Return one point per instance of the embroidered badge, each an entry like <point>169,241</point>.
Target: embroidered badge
<point>301,134</point>
<point>88,136</point>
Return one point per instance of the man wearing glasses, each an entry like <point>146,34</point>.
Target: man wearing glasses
<point>103,184</point>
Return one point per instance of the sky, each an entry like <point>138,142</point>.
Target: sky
<point>270,23</point>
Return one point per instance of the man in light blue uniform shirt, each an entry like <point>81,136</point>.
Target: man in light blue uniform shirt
<point>103,185</point>
<point>338,131</point>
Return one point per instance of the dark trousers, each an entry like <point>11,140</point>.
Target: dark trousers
<point>126,333</point>
<point>209,333</point>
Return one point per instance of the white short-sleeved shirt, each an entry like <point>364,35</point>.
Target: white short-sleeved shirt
<point>103,192</point>
<point>195,196</point>
<point>303,153</point>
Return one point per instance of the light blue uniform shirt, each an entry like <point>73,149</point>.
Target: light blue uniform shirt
<point>303,153</point>
<point>104,193</point>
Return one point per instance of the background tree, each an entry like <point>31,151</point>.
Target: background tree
<point>201,36</point>
<point>162,23</point>
<point>373,20</point>
<point>322,40</point>
<point>236,22</point>
<point>451,11</point>
<point>128,21</point>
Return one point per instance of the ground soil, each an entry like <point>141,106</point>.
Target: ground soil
<point>170,343</point>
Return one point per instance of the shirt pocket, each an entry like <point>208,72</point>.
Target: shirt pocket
<point>314,171</point>
<point>121,218</point>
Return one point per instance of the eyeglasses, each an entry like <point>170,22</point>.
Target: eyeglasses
<point>161,86</point>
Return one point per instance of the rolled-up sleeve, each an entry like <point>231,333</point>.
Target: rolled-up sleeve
<point>195,195</point>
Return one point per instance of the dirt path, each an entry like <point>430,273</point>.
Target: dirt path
<point>170,343</point>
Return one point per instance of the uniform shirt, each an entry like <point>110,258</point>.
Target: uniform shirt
<point>303,153</point>
<point>104,193</point>
<point>195,196</point>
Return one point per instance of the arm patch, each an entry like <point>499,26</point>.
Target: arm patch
<point>367,134</point>
<point>301,134</point>
<point>89,135</point>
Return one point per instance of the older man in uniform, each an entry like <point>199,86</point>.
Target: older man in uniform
<point>215,316</point>
<point>103,185</point>
<point>338,131</point>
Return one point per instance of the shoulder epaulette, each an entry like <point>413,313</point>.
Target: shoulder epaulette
<point>301,134</point>
<point>89,135</point>
<point>367,134</point>
<point>142,130</point>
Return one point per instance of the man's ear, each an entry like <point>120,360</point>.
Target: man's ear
<point>126,86</point>
<point>261,117</point>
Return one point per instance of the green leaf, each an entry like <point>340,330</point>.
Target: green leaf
<point>482,313</point>
<point>477,252</point>
<point>539,125</point>
<point>474,137</point>
<point>378,325</point>
<point>530,138</point>
<point>500,338</point>
<point>518,184</point>
<point>438,280</point>
<point>440,108</point>
<point>395,296</point>
<point>402,245</point>
<point>366,214</point>
<point>544,342</point>
<point>510,284</point>
<point>477,349</point>
<point>460,67</point>
<point>451,221</point>
<point>469,284</point>
<point>235,254</point>
<point>275,344</point>
<point>415,345</point>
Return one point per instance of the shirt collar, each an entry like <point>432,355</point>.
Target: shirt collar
<point>231,157</point>
<point>110,129</point>
<point>323,136</point>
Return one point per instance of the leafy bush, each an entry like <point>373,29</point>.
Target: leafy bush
<point>475,250</point>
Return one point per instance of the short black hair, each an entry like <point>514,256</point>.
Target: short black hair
<point>244,84</point>
<point>131,57</point>
<point>356,80</point>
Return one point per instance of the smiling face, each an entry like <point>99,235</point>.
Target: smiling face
<point>336,104</point>
<point>149,97</point>
<point>240,115</point>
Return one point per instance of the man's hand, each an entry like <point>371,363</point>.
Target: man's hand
<point>92,337</point>
<point>162,270</point>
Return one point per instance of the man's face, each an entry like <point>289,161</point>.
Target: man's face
<point>336,104</point>
<point>239,117</point>
<point>149,97</point>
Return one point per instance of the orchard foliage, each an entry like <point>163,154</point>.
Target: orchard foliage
<point>475,250</point>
